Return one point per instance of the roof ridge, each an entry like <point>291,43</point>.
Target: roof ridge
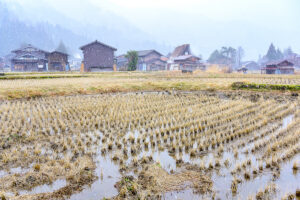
<point>97,42</point>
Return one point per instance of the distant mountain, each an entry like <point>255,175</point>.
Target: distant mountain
<point>46,27</point>
<point>14,33</point>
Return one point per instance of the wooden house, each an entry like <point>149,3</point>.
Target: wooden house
<point>279,67</point>
<point>98,57</point>
<point>148,60</point>
<point>183,59</point>
<point>186,62</point>
<point>58,61</point>
<point>250,65</point>
<point>29,58</point>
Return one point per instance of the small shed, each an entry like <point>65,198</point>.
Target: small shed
<point>58,61</point>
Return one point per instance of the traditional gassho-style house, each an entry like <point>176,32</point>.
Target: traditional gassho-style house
<point>148,60</point>
<point>279,67</point>
<point>29,58</point>
<point>58,61</point>
<point>186,62</point>
<point>98,57</point>
<point>183,59</point>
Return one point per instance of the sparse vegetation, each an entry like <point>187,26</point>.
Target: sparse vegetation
<point>165,138</point>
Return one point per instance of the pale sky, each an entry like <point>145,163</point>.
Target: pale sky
<point>252,10</point>
<point>157,16</point>
<point>206,24</point>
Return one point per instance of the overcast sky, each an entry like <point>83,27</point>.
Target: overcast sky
<point>206,24</point>
<point>155,16</point>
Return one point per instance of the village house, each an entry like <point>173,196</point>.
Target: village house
<point>98,57</point>
<point>148,60</point>
<point>279,67</point>
<point>186,62</point>
<point>122,63</point>
<point>29,58</point>
<point>295,59</point>
<point>250,65</point>
<point>183,59</point>
<point>58,61</point>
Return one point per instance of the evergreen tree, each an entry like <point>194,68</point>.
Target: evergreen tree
<point>288,52</point>
<point>62,48</point>
<point>132,57</point>
<point>272,53</point>
<point>214,57</point>
<point>279,54</point>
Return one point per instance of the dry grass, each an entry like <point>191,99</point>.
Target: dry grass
<point>95,83</point>
<point>60,138</point>
<point>154,178</point>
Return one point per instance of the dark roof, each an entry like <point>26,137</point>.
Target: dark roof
<point>33,56</point>
<point>59,53</point>
<point>156,59</point>
<point>29,48</point>
<point>146,52</point>
<point>141,53</point>
<point>184,57</point>
<point>97,42</point>
<point>179,51</point>
<point>279,62</point>
<point>242,69</point>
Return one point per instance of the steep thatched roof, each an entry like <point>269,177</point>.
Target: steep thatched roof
<point>181,50</point>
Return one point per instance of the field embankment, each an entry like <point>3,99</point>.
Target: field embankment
<point>28,85</point>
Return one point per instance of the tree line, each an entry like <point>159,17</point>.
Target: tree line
<point>233,57</point>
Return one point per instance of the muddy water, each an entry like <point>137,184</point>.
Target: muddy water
<point>17,170</point>
<point>108,173</point>
<point>287,182</point>
<point>46,188</point>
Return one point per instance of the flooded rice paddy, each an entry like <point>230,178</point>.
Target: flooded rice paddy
<point>243,149</point>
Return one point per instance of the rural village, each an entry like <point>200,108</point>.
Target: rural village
<point>100,57</point>
<point>149,100</point>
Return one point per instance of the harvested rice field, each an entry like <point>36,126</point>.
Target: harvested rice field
<point>27,85</point>
<point>151,145</point>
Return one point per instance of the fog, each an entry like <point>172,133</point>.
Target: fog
<point>157,24</point>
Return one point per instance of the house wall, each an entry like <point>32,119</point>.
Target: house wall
<point>57,62</point>
<point>29,66</point>
<point>37,63</point>
<point>142,62</point>
<point>98,56</point>
<point>286,71</point>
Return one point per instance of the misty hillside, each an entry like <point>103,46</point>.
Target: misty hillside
<point>18,26</point>
<point>14,32</point>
